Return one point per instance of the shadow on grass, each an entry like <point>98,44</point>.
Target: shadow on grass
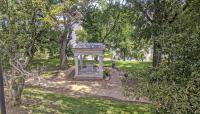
<point>43,102</point>
<point>51,64</point>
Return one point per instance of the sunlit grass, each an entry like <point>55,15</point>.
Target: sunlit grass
<point>133,66</point>
<point>128,66</point>
<point>43,102</point>
<point>107,55</point>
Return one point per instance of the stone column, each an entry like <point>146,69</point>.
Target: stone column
<point>101,65</point>
<point>76,65</point>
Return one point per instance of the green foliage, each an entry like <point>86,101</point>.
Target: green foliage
<point>174,86</point>
<point>31,28</point>
<point>112,25</point>
<point>47,102</point>
<point>82,35</point>
<point>22,28</point>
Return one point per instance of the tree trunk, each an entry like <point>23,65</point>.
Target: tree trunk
<point>16,89</point>
<point>156,55</point>
<point>17,81</point>
<point>63,45</point>
<point>64,41</point>
<point>2,98</point>
<point>96,58</point>
<point>124,57</point>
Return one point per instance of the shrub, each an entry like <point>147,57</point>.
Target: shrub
<point>174,86</point>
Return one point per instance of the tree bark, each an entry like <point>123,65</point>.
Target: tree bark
<point>64,41</point>
<point>63,57</point>
<point>156,55</point>
<point>2,98</point>
<point>17,87</point>
<point>156,27</point>
<point>124,54</point>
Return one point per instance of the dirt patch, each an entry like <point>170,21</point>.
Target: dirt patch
<point>15,110</point>
<point>79,88</point>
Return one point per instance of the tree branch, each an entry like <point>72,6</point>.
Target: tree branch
<point>144,12</point>
<point>178,13</point>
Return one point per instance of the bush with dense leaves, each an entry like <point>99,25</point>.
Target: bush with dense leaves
<point>174,86</point>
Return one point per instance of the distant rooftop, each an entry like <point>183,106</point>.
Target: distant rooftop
<point>90,46</point>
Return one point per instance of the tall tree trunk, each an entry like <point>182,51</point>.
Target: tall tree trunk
<point>64,41</point>
<point>63,57</point>
<point>156,32</point>
<point>156,55</point>
<point>2,98</point>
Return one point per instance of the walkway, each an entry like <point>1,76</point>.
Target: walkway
<point>79,88</point>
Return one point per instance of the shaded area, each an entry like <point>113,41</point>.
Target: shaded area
<point>51,63</point>
<point>39,102</point>
<point>137,74</point>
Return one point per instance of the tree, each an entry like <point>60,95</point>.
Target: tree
<point>62,16</point>
<point>111,24</point>
<point>152,16</point>
<point>2,98</point>
<point>174,85</point>
<point>21,28</point>
<point>82,35</point>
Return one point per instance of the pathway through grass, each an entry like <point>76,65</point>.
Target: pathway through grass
<point>45,102</point>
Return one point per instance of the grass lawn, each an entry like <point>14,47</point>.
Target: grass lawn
<point>135,69</point>
<point>129,66</point>
<point>122,65</point>
<point>44,102</point>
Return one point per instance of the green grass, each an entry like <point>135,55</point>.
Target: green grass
<point>44,102</point>
<point>130,66</point>
<point>108,55</point>
<point>138,73</point>
<point>122,65</point>
<point>52,63</point>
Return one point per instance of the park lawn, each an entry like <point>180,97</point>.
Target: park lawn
<point>38,101</point>
<point>53,63</point>
<point>133,67</point>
